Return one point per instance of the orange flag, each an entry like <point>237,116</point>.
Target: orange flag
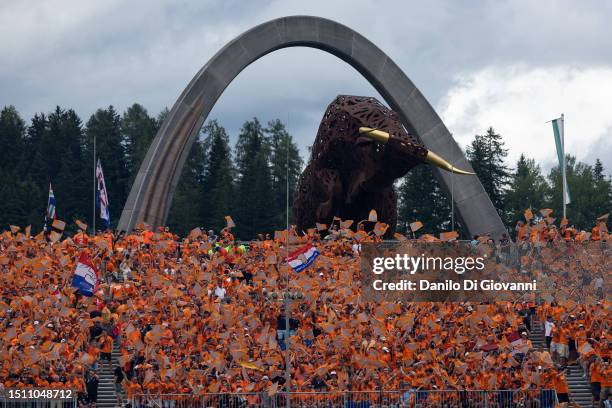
<point>54,236</point>
<point>58,224</point>
<point>380,228</point>
<point>251,366</point>
<point>449,236</point>
<point>429,238</point>
<point>81,225</point>
<point>415,226</point>
<point>546,212</point>
<point>346,224</point>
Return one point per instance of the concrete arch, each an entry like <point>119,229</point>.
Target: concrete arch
<point>153,189</point>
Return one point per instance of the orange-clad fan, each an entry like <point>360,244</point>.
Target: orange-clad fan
<point>205,315</point>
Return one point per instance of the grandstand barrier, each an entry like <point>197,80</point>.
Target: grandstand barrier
<point>531,398</point>
<point>38,403</point>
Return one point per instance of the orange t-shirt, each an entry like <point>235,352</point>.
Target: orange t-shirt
<point>81,238</point>
<point>107,344</point>
<point>596,373</point>
<point>561,385</point>
<point>133,388</point>
<point>563,335</point>
<point>607,377</point>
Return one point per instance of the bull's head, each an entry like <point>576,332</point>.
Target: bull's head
<point>403,148</point>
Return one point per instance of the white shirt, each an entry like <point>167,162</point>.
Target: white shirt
<point>548,327</point>
<point>125,270</point>
<point>220,292</point>
<point>599,282</point>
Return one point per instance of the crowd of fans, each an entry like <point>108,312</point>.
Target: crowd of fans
<point>205,314</point>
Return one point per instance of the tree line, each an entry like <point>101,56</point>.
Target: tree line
<point>248,180</point>
<point>512,190</point>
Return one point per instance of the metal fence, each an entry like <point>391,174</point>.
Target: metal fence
<point>366,399</point>
<point>38,403</point>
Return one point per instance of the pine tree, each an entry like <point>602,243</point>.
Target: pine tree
<point>486,153</point>
<point>12,133</point>
<point>527,189</point>
<point>218,177</point>
<point>589,197</point>
<point>598,171</point>
<point>161,116</point>
<point>256,211</point>
<point>421,199</point>
<point>11,208</point>
<point>37,131</point>
<point>35,168</point>
<point>41,147</point>
<point>76,171</point>
<point>283,148</point>
<point>602,197</point>
<point>186,211</point>
<point>32,201</point>
<point>56,150</point>
<point>105,126</point>
<point>17,190</point>
<point>138,130</point>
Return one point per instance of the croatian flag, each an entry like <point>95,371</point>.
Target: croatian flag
<point>514,338</point>
<point>303,257</point>
<point>85,276</point>
<point>101,196</point>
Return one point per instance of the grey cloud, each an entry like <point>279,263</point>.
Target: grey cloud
<point>87,55</point>
<point>602,150</point>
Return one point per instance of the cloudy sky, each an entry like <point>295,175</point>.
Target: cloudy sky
<point>512,65</point>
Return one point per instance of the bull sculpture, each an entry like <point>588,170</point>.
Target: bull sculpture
<point>361,148</point>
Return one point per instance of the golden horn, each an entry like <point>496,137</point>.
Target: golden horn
<point>438,161</point>
<point>378,135</point>
<point>431,158</point>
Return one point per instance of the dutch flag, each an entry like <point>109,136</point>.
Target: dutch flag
<point>85,276</point>
<point>303,257</point>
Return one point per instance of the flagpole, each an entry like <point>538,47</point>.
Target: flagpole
<point>93,221</point>
<point>47,209</point>
<point>287,334</point>
<point>564,166</point>
<point>452,195</point>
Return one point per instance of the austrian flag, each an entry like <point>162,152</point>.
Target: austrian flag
<point>85,276</point>
<point>303,257</point>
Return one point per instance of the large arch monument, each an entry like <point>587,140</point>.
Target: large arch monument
<point>153,189</point>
